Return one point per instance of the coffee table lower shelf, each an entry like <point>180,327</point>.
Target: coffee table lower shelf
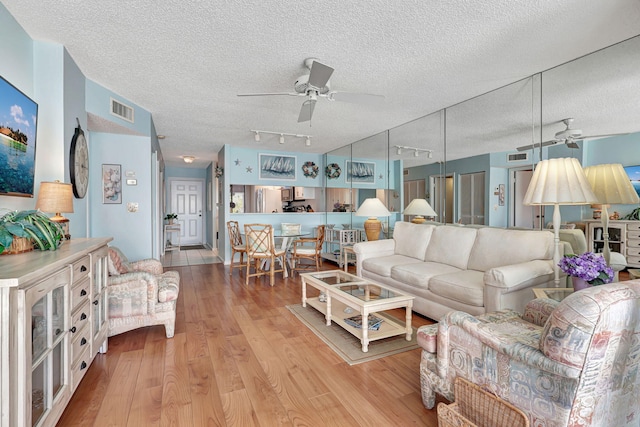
<point>390,327</point>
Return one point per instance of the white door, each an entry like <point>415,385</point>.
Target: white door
<point>472,198</point>
<point>442,197</point>
<point>524,216</point>
<point>186,201</point>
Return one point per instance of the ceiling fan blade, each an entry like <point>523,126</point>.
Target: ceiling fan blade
<point>271,94</point>
<point>544,144</point>
<point>320,74</point>
<point>307,110</point>
<point>355,98</point>
<point>601,136</point>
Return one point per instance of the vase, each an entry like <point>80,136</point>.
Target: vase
<point>579,284</point>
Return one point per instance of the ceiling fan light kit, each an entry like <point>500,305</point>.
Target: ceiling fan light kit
<point>316,84</point>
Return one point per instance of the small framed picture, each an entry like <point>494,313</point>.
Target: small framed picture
<point>277,166</point>
<point>361,172</point>
<point>111,184</point>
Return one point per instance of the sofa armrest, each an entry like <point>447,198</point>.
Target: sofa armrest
<point>517,276</point>
<point>138,289</point>
<point>149,265</point>
<point>373,249</point>
<point>538,310</point>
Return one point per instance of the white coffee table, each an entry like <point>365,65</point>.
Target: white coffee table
<point>348,295</point>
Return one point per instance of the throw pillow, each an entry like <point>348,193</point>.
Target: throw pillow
<point>116,264</point>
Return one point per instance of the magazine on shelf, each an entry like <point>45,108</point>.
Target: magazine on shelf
<point>356,321</point>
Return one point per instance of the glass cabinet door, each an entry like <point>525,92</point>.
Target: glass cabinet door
<point>48,347</point>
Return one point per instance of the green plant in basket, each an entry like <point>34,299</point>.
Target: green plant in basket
<point>170,216</point>
<point>33,225</point>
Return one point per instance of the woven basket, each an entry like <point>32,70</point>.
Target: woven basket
<point>18,246</point>
<point>475,407</point>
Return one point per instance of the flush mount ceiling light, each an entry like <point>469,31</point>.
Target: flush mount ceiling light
<point>416,150</point>
<point>161,136</point>
<point>188,159</point>
<point>307,138</point>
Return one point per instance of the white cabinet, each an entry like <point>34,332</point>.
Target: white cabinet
<point>624,237</point>
<point>303,193</point>
<point>337,240</point>
<point>172,234</point>
<point>46,337</point>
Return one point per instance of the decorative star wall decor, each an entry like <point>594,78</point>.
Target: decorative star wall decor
<point>380,177</point>
<point>237,162</point>
<point>249,169</point>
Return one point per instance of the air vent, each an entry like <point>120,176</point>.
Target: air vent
<point>121,110</point>
<point>517,157</point>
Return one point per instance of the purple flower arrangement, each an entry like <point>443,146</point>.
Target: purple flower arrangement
<point>590,267</point>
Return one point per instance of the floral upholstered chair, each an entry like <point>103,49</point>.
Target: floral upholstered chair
<point>140,294</point>
<point>569,363</point>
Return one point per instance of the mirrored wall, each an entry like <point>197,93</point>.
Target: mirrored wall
<point>473,161</point>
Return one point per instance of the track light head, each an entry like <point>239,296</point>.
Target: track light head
<point>398,150</point>
<point>281,139</point>
<point>308,142</point>
<point>257,136</point>
<point>417,153</point>
<point>430,154</point>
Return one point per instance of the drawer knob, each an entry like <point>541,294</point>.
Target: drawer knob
<point>83,365</point>
<point>83,341</point>
<point>83,316</point>
<point>73,330</point>
<point>58,332</point>
<point>96,302</point>
<point>83,269</point>
<point>83,292</point>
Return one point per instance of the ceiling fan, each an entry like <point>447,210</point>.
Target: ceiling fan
<point>569,136</point>
<point>316,85</point>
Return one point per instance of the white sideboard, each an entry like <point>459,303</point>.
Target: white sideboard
<point>53,321</point>
<point>624,237</point>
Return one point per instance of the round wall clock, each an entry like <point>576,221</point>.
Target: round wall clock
<point>79,163</point>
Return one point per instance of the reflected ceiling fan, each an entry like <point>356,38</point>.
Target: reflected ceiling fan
<point>569,136</point>
<point>316,85</point>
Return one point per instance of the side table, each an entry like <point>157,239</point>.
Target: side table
<point>346,251</point>
<point>557,294</point>
<point>169,244</point>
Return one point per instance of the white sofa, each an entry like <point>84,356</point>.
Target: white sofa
<point>448,267</point>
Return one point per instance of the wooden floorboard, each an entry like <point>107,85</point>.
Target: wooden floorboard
<point>240,358</point>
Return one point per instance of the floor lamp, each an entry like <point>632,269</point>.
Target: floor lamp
<point>612,186</point>
<point>420,208</point>
<point>558,182</point>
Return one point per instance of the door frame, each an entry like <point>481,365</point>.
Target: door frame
<point>512,200</point>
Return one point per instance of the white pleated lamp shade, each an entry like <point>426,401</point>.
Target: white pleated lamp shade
<point>559,181</point>
<point>611,185</point>
<point>419,207</point>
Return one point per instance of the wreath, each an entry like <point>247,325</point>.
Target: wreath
<point>219,171</point>
<point>310,170</point>
<point>333,171</point>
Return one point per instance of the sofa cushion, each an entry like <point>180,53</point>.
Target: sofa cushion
<point>451,245</point>
<point>382,265</point>
<point>464,286</point>
<point>419,274</point>
<point>495,247</point>
<point>412,239</point>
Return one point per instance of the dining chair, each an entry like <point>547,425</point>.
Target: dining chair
<point>309,248</point>
<point>235,239</point>
<point>260,247</point>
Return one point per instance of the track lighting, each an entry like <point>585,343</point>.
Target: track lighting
<point>416,150</point>
<point>307,138</point>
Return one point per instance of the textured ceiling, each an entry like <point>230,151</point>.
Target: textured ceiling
<point>185,61</point>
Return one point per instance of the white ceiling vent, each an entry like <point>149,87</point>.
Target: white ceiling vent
<point>517,157</point>
<point>121,110</point>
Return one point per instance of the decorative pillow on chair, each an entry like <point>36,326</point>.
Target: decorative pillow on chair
<point>116,263</point>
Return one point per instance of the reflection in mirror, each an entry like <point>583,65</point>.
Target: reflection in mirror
<point>275,199</point>
<point>482,136</point>
<point>418,147</point>
<point>338,195</point>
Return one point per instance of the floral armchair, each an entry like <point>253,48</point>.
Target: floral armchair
<point>140,294</point>
<point>569,363</point>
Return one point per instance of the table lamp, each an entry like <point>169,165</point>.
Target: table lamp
<point>420,208</point>
<point>558,182</point>
<point>372,208</point>
<point>56,197</point>
<point>612,186</point>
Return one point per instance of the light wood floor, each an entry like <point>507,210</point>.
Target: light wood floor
<point>240,358</point>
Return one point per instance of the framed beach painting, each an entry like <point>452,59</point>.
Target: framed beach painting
<point>361,172</point>
<point>111,184</point>
<point>277,166</point>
